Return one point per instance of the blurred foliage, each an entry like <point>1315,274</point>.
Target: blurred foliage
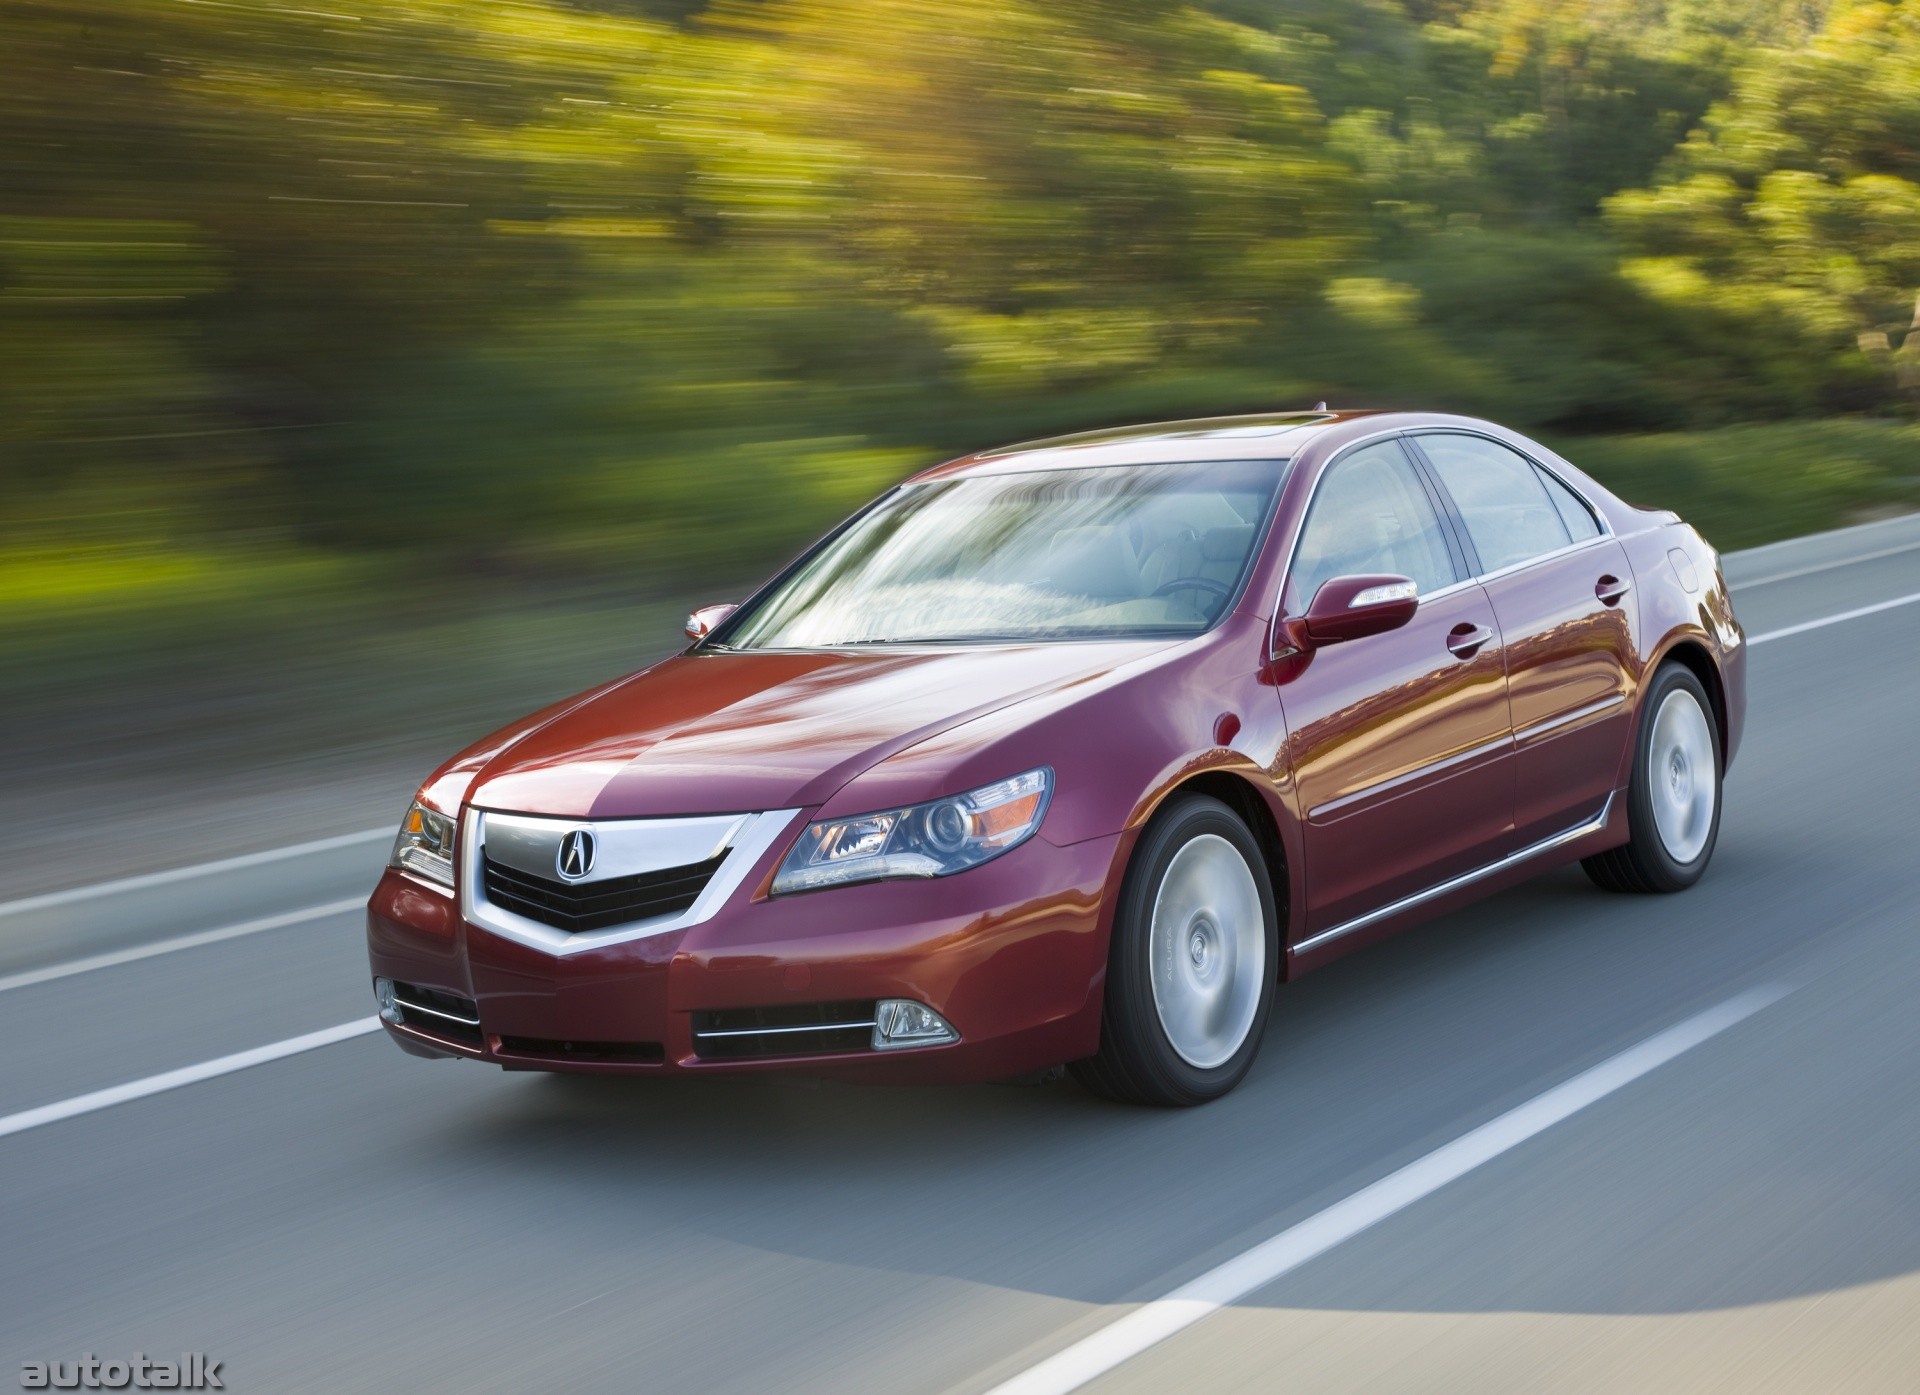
<point>436,292</point>
<point>1794,209</point>
<point>1747,485</point>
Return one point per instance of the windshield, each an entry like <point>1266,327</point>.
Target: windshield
<point>1093,552</point>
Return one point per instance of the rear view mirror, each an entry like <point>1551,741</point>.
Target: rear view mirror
<point>706,620</point>
<point>1353,607</point>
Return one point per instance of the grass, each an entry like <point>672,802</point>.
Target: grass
<point>300,649</point>
<point>1747,485</point>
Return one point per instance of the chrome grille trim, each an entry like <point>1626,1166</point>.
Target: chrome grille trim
<point>625,849</point>
<point>585,906</point>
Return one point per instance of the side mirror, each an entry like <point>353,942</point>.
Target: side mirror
<point>1352,607</point>
<point>706,620</point>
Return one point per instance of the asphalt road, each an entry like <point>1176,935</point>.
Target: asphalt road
<point>1744,1217</point>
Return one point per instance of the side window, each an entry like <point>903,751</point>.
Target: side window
<point>1501,497</point>
<point>1573,510</point>
<point>1372,514</point>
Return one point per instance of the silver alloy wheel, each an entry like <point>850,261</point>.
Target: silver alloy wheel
<point>1208,942</point>
<point>1680,775</point>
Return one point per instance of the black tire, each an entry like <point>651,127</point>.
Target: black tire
<point>1138,1062</point>
<point>1646,863</point>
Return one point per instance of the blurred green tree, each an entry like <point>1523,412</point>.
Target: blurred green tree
<point>1795,209</point>
<point>555,287</point>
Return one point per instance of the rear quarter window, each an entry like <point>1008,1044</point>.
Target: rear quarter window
<point>1501,496</point>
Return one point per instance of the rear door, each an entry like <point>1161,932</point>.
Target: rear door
<point>1399,742</point>
<point>1559,585</point>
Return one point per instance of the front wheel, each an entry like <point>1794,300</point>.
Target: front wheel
<point>1673,802</point>
<point>1195,954</point>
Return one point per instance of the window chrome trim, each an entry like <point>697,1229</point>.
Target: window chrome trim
<point>1606,533</point>
<point>747,839</point>
<point>1457,586</point>
<point>1464,880</point>
<point>1414,433</point>
<point>1306,512</point>
<point>1512,567</point>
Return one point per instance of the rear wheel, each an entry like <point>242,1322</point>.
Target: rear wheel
<point>1190,976</point>
<point>1673,803</point>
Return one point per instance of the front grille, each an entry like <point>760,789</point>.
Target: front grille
<point>630,1053</point>
<point>584,906</point>
<point>438,1014</point>
<point>800,1029</point>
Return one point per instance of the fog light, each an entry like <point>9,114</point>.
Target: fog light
<point>389,1005</point>
<point>899,1023</point>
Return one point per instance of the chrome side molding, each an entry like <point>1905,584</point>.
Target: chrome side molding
<point>1379,788</point>
<point>1566,719</point>
<point>1465,879</point>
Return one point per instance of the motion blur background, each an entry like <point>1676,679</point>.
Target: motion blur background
<point>372,370</point>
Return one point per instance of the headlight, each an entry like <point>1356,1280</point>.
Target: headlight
<point>425,845</point>
<point>923,840</point>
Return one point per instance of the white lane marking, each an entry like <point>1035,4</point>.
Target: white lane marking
<point>1827,620</point>
<point>1826,566</point>
<point>179,942</point>
<point>1253,1269</point>
<point>186,1075</point>
<point>1852,530</point>
<point>181,874</point>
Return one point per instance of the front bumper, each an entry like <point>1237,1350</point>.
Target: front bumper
<point>1011,953</point>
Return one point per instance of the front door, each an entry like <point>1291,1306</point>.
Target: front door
<point>1399,744</point>
<point>1559,586</point>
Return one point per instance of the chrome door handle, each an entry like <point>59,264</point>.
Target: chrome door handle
<point>1610,589</point>
<point>1465,640</point>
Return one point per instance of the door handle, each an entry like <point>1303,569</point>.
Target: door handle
<point>1610,589</point>
<point>1465,639</point>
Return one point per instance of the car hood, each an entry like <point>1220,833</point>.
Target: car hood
<point>720,732</point>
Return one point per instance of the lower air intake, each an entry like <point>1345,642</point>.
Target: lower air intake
<point>438,1014</point>
<point>798,1029</point>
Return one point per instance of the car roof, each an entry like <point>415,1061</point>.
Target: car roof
<point>1273,435</point>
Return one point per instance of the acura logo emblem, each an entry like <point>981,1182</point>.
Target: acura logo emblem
<point>576,854</point>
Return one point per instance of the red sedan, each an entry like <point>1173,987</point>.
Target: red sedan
<point>1073,753</point>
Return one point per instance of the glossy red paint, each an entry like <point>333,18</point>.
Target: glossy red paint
<point>1500,712</point>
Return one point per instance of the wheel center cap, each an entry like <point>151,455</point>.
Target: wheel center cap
<point>1678,776</point>
<point>1202,946</point>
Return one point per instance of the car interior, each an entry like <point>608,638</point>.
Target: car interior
<point>1043,555</point>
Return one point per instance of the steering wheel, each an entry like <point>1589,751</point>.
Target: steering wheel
<point>1193,583</point>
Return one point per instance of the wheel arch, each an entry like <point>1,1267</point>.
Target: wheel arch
<point>1693,654</point>
<point>1244,797</point>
